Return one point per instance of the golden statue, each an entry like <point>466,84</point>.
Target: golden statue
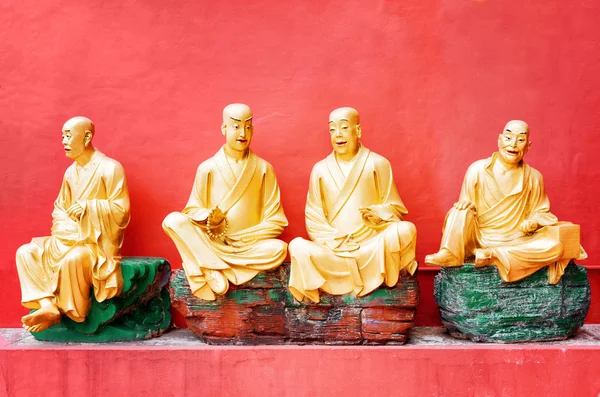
<point>226,232</point>
<point>88,221</point>
<point>503,217</point>
<point>354,219</point>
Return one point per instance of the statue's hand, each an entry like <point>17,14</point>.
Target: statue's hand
<point>75,211</point>
<point>370,215</point>
<point>344,243</point>
<point>465,205</point>
<point>216,216</point>
<point>528,226</point>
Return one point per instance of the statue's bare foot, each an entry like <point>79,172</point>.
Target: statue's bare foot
<point>483,257</point>
<point>41,319</point>
<point>41,326</point>
<point>205,293</point>
<point>217,281</point>
<point>442,258</point>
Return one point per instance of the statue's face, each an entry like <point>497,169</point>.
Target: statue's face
<point>238,130</point>
<point>73,140</point>
<point>345,134</point>
<point>513,143</point>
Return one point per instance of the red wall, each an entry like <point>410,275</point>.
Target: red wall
<point>434,81</point>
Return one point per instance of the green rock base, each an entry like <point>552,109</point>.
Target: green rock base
<point>141,311</point>
<point>476,304</point>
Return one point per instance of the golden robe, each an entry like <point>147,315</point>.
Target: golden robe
<point>80,254</point>
<point>348,253</point>
<point>495,224</point>
<point>255,216</point>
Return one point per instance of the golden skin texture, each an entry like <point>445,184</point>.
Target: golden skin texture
<point>88,222</point>
<point>354,217</point>
<point>503,216</point>
<point>226,233</point>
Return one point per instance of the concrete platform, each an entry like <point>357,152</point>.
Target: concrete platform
<point>178,364</point>
<point>588,335</point>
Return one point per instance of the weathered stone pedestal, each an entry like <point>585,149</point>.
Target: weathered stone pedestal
<point>263,311</point>
<point>476,304</point>
<point>141,311</point>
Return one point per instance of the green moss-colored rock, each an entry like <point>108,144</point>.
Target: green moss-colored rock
<point>141,311</point>
<point>476,304</point>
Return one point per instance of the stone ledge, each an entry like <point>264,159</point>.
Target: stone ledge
<point>179,364</point>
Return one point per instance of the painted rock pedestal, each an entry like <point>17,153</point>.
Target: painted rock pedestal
<point>476,304</point>
<point>141,311</point>
<point>263,311</point>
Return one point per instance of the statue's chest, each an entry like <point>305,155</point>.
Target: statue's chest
<point>507,182</point>
<point>86,187</point>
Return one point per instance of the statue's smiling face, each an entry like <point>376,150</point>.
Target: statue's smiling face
<point>344,131</point>
<point>513,143</point>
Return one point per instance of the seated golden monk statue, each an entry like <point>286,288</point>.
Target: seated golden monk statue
<point>88,222</point>
<point>503,217</point>
<point>354,219</point>
<point>226,232</point>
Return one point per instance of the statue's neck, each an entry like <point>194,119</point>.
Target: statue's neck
<point>234,154</point>
<point>507,167</point>
<point>348,157</point>
<point>86,156</point>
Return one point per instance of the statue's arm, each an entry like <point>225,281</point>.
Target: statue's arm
<point>318,227</point>
<point>116,206</point>
<point>468,190</point>
<point>60,216</point>
<point>390,207</point>
<point>539,214</point>
<point>196,207</point>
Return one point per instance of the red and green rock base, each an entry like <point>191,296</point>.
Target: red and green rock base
<point>263,311</point>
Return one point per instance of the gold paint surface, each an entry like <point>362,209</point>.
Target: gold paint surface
<point>354,217</point>
<point>503,217</point>
<point>227,231</point>
<point>82,252</point>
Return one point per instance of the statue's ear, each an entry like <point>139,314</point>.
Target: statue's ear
<point>358,131</point>
<point>87,137</point>
<point>223,128</point>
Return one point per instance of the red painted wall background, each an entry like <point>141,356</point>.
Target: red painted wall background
<point>434,81</point>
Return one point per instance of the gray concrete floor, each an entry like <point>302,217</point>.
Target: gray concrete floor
<point>588,335</point>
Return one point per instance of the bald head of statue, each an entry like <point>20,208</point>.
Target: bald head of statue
<point>77,135</point>
<point>513,142</point>
<point>237,128</point>
<point>345,132</point>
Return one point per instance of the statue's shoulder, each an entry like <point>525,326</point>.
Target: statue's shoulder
<point>111,163</point>
<point>207,165</point>
<point>263,164</point>
<point>70,169</point>
<point>111,167</point>
<point>479,165</point>
<point>379,160</point>
<point>319,166</point>
<point>533,173</point>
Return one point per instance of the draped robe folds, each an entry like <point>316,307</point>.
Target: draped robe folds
<point>495,224</point>
<point>347,252</point>
<point>77,255</point>
<point>254,214</point>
